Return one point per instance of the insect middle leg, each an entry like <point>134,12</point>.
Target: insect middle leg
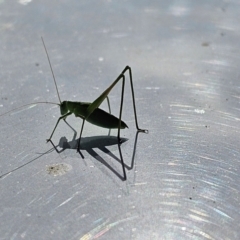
<point>78,147</point>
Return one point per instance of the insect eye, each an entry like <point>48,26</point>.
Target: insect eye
<point>63,108</point>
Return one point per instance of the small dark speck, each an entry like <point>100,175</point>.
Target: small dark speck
<point>37,64</point>
<point>206,126</point>
<point>190,198</point>
<point>226,99</point>
<point>205,44</point>
<point>222,34</point>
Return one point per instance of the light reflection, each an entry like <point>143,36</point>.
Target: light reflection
<point>216,62</point>
<point>179,11</point>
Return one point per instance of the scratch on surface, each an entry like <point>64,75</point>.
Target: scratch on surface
<point>139,184</point>
<point>222,213</point>
<point>198,212</point>
<point>49,199</point>
<point>32,201</point>
<point>20,153</point>
<point>197,218</point>
<point>152,88</point>
<point>217,62</point>
<point>24,2</point>
<point>228,116</point>
<point>66,201</point>
<point>236,96</point>
<point>205,235</point>
<point>210,183</point>
<point>103,228</point>
<point>170,203</point>
<point>74,210</point>
<point>24,157</point>
<point>180,105</point>
<point>209,158</point>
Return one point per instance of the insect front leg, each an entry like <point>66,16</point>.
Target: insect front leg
<point>108,102</point>
<point>78,148</point>
<point>62,117</point>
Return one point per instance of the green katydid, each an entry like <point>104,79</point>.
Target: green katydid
<point>91,112</point>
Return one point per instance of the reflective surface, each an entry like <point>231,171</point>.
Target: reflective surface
<point>183,177</point>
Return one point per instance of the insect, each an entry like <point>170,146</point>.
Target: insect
<point>91,112</point>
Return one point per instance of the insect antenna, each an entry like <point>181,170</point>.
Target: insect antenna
<point>51,70</point>
<point>29,104</point>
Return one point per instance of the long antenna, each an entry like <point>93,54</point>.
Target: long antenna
<point>51,70</point>
<point>29,104</point>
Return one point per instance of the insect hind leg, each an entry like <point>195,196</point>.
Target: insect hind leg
<point>127,68</point>
<point>122,76</point>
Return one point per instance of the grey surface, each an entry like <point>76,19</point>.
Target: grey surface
<point>185,57</point>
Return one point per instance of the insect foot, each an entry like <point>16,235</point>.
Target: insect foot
<point>143,130</point>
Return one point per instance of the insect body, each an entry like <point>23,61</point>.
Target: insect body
<point>98,117</point>
<point>91,112</point>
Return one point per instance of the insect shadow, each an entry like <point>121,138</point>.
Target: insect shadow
<point>88,144</point>
<point>100,142</point>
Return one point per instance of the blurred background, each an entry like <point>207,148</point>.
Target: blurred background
<point>182,178</point>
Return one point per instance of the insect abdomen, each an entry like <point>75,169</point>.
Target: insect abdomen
<point>106,120</point>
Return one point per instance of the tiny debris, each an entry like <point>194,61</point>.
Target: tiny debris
<point>200,111</point>
<point>58,169</point>
<point>205,44</point>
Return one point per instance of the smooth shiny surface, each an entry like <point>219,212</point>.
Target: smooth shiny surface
<point>183,177</point>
